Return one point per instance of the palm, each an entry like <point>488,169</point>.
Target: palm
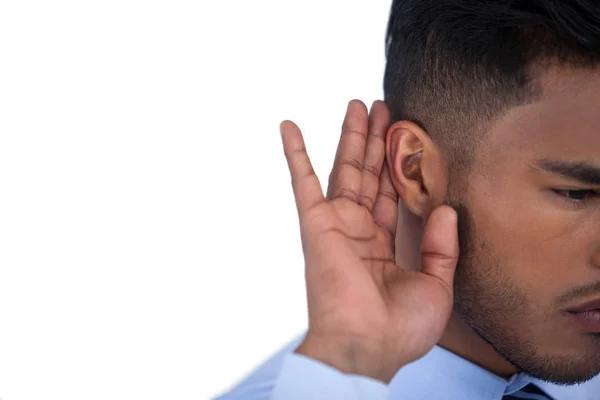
<point>353,284</point>
<point>381,295</point>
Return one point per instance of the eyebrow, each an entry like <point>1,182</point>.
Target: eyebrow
<point>583,172</point>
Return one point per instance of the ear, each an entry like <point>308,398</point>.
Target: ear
<point>418,168</point>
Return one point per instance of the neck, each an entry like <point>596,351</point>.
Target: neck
<point>460,339</point>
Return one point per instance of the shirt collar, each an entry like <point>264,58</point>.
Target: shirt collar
<point>441,374</point>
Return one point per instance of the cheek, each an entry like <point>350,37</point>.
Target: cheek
<point>534,247</point>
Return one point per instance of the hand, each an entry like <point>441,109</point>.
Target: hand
<point>367,316</point>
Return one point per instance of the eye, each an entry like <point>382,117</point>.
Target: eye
<point>577,196</point>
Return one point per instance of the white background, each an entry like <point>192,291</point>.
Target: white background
<point>149,246</point>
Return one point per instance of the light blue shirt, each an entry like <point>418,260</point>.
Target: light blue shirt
<point>439,375</point>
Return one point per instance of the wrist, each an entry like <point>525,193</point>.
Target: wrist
<point>351,355</point>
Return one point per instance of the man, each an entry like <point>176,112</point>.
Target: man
<point>494,143</point>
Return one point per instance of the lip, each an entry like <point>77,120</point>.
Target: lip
<point>589,321</point>
<point>588,306</point>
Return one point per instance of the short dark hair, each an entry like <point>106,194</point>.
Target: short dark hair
<point>453,66</point>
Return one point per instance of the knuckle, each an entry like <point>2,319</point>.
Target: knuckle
<point>439,256</point>
<point>356,132</point>
<point>348,193</point>
<point>366,201</point>
<point>294,152</point>
<point>389,194</point>
<point>310,172</point>
<point>378,136</point>
<point>371,169</point>
<point>353,162</point>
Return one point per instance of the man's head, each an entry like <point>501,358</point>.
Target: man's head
<point>496,110</point>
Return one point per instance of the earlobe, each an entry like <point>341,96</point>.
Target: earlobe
<point>415,167</point>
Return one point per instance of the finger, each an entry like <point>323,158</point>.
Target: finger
<point>345,179</point>
<point>307,189</point>
<point>385,210</point>
<point>379,121</point>
<point>439,248</point>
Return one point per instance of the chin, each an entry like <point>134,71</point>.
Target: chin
<point>573,366</point>
<point>565,376</point>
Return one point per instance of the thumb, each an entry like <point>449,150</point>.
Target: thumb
<point>439,248</point>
